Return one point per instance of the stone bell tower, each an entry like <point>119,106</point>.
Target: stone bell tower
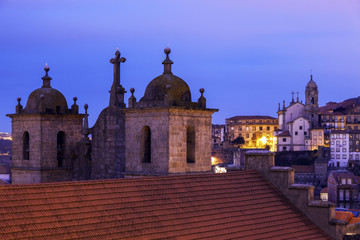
<point>312,102</point>
<point>108,133</point>
<point>165,131</point>
<point>44,134</point>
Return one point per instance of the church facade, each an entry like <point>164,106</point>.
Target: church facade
<point>162,133</point>
<point>298,121</point>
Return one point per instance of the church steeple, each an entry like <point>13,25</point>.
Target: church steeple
<point>117,91</point>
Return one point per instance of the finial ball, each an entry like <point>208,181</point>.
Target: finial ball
<point>86,106</point>
<point>75,99</point>
<point>167,50</point>
<point>132,90</point>
<point>46,68</point>
<point>202,90</point>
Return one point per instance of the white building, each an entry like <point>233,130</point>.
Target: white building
<point>296,121</point>
<point>339,148</point>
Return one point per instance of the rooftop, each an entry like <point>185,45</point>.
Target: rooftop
<point>220,206</point>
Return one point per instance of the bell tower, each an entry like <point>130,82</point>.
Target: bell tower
<point>44,133</point>
<point>311,102</point>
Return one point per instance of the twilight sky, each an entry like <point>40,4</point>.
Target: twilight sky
<point>247,54</point>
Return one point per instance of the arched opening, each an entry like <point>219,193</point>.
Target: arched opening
<point>190,145</point>
<point>146,145</point>
<point>312,100</point>
<point>60,148</point>
<point>26,146</point>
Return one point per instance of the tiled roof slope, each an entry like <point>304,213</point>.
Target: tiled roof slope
<point>196,206</point>
<point>250,117</point>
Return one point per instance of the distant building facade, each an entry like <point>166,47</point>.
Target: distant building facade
<point>343,189</point>
<point>257,131</point>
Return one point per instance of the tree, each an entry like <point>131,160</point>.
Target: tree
<point>237,142</point>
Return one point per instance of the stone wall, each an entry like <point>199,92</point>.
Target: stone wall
<point>108,144</point>
<point>43,130</point>
<point>301,195</point>
<point>168,140</point>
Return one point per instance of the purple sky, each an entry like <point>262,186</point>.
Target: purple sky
<point>248,55</point>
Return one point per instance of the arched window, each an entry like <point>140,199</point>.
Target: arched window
<point>60,148</point>
<point>312,100</point>
<point>190,145</point>
<point>26,146</point>
<point>146,145</point>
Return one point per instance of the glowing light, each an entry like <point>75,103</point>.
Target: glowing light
<point>263,140</point>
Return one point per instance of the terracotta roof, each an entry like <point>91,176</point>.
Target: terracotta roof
<point>341,106</point>
<point>284,134</point>
<point>250,117</point>
<point>339,174</point>
<point>209,206</point>
<point>348,215</point>
<point>303,168</point>
<point>325,190</point>
<point>344,216</point>
<point>2,182</point>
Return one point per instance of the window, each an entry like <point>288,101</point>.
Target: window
<point>344,142</point>
<point>349,181</point>
<point>268,128</point>
<point>332,149</point>
<point>337,164</point>
<point>347,195</point>
<point>284,148</point>
<point>190,145</point>
<point>344,149</point>
<point>305,133</point>
<point>344,156</point>
<point>260,128</point>
<point>341,195</point>
<point>296,133</point>
<point>284,139</point>
<point>300,127</point>
<point>356,156</point>
<point>343,181</point>
<point>146,145</point>
<point>240,128</point>
<point>337,156</point>
<point>247,135</point>
<point>332,156</point>
<point>337,149</point>
<point>60,148</point>
<point>26,146</point>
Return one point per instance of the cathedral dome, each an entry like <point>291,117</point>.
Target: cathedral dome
<point>46,99</point>
<point>167,87</point>
<point>311,83</point>
<point>167,84</point>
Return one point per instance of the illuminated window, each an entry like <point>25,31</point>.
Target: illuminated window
<point>349,181</point>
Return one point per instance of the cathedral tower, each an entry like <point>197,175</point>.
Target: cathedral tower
<point>44,135</point>
<point>311,102</point>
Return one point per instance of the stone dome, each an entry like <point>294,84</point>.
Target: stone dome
<point>46,99</point>
<point>311,83</point>
<point>166,89</point>
<point>167,84</point>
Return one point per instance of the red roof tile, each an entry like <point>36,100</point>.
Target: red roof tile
<point>210,206</point>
